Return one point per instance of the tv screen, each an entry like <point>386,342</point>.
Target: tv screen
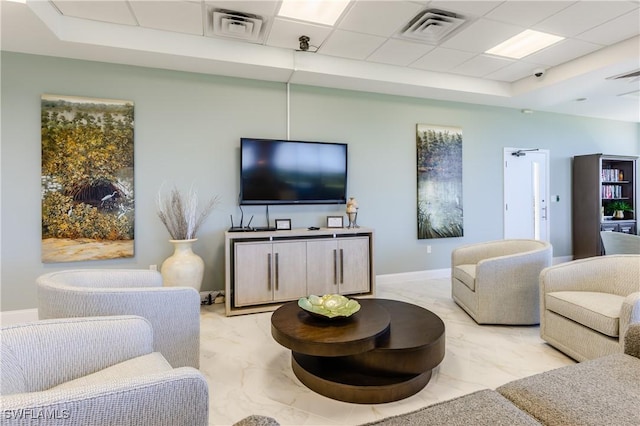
<point>292,172</point>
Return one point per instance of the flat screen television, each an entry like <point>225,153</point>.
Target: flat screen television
<point>292,172</point>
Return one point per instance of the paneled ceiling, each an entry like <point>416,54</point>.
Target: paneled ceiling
<point>367,49</point>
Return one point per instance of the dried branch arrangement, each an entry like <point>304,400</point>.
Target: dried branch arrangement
<point>179,213</point>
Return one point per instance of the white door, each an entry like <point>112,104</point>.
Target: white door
<point>526,192</point>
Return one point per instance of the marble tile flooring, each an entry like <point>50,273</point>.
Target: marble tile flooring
<point>249,373</point>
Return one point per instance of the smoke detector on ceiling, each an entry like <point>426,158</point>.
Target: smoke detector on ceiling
<point>237,25</point>
<point>432,26</point>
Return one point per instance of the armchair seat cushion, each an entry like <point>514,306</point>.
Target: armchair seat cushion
<point>134,367</point>
<point>595,310</point>
<point>466,274</point>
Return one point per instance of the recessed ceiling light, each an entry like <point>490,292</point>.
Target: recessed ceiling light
<point>324,12</point>
<point>523,44</point>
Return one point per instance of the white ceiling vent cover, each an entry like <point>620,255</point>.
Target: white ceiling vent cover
<point>432,26</point>
<point>632,75</point>
<point>242,26</point>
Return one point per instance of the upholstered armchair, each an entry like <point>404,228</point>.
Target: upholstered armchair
<point>620,243</point>
<point>587,305</point>
<point>94,371</point>
<point>496,282</point>
<point>174,312</point>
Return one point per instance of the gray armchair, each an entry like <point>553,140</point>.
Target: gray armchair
<point>497,282</point>
<point>620,243</point>
<point>94,371</point>
<point>174,312</point>
<point>587,305</point>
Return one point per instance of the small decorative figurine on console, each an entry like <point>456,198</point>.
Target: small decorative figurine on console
<point>352,212</point>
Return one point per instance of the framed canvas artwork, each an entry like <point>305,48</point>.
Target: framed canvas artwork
<point>439,171</point>
<point>87,178</point>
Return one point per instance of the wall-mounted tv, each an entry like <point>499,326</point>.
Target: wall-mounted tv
<point>292,172</point>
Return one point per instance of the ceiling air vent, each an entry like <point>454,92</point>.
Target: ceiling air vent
<point>238,25</point>
<point>633,75</point>
<point>432,26</point>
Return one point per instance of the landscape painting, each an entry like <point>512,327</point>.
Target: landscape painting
<point>439,158</point>
<point>87,178</point>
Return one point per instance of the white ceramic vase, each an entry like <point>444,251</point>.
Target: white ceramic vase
<point>183,267</point>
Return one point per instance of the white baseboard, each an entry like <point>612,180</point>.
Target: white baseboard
<point>18,316</point>
<point>413,276</point>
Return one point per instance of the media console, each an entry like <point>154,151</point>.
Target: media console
<point>265,269</point>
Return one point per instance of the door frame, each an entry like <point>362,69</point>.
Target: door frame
<point>506,154</point>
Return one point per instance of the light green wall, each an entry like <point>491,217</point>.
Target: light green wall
<point>187,130</point>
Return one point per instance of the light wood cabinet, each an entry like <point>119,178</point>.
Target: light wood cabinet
<point>338,266</point>
<point>265,269</point>
<point>272,271</point>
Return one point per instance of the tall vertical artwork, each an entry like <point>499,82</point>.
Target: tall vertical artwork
<point>87,179</point>
<point>439,155</point>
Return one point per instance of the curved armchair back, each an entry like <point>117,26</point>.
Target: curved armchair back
<point>615,274</point>
<point>105,278</point>
<point>620,243</point>
<point>474,253</point>
<point>174,312</point>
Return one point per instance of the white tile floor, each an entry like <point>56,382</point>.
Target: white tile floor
<point>249,373</point>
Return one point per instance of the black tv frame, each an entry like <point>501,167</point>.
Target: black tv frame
<point>298,201</point>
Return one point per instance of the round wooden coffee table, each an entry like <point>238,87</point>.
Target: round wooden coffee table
<point>383,353</point>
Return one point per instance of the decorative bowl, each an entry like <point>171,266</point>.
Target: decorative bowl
<point>329,306</point>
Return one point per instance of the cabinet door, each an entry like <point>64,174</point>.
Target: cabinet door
<point>627,228</point>
<point>353,274</point>
<point>289,270</point>
<point>322,267</point>
<point>253,273</point>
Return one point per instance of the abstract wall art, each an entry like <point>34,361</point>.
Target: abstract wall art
<point>439,171</point>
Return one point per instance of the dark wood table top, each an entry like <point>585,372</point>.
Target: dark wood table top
<point>383,353</point>
<point>297,330</point>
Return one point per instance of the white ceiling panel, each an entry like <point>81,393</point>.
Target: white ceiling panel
<point>481,35</point>
<point>513,72</point>
<point>263,8</point>
<point>526,13</point>
<point>399,52</point>
<point>618,29</point>
<point>347,44</point>
<point>285,33</point>
<point>441,59</point>
<point>382,18</point>
<point>473,8</point>
<point>180,17</point>
<point>582,16</point>
<point>481,65</point>
<point>116,11</point>
<point>558,53</point>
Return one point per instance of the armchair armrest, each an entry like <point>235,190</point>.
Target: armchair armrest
<point>176,397</point>
<point>71,347</point>
<point>632,340</point>
<point>629,313</point>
